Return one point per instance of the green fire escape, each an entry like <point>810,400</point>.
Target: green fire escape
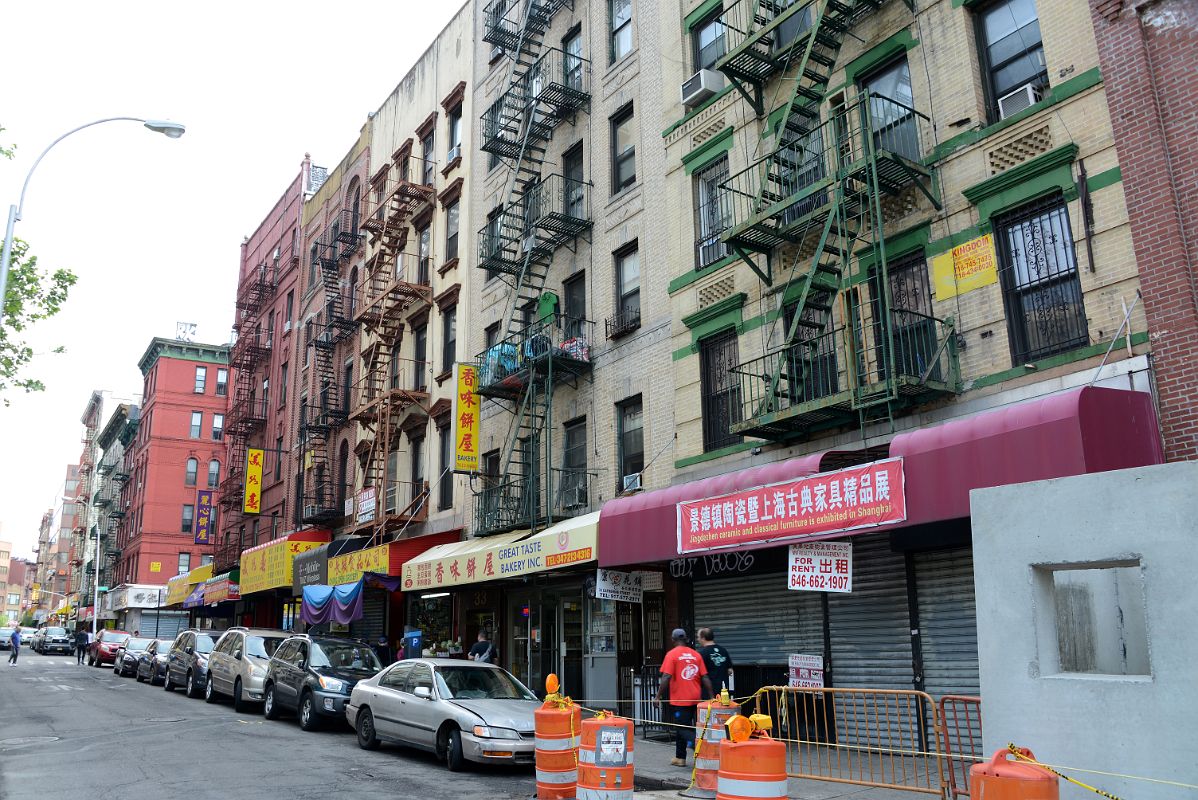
<point>852,346</point>
<point>537,348</point>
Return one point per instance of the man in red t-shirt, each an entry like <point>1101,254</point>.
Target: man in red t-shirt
<point>684,681</point>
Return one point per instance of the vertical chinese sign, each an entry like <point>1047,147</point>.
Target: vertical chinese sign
<point>253,481</point>
<point>203,526</point>
<point>466,419</point>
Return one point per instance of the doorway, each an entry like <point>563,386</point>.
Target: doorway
<point>547,637</point>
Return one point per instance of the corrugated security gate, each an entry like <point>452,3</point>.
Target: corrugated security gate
<point>948,630</point>
<point>373,623</point>
<point>758,619</point>
<point>169,623</point>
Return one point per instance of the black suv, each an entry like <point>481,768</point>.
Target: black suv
<point>53,640</point>
<point>313,676</point>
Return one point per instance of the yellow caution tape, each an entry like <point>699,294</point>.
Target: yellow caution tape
<point>1019,755</point>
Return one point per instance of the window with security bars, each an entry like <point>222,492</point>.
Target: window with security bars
<point>910,323</point>
<point>718,355</point>
<point>1041,289</point>
<point>713,212</point>
<point>572,487</point>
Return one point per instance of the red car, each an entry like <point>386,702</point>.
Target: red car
<point>103,650</point>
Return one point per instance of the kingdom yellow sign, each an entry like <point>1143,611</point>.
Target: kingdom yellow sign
<point>253,481</point>
<point>966,267</point>
<point>269,565</point>
<point>177,589</point>
<point>466,419</point>
<point>349,567</point>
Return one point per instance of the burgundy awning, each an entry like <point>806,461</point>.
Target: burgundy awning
<point>1075,432</point>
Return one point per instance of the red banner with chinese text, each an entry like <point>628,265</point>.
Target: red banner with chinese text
<point>815,506</point>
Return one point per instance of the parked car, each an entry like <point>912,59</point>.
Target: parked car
<point>125,663</point>
<point>5,641</point>
<point>237,666</point>
<point>54,640</point>
<point>151,664</point>
<point>187,662</point>
<point>313,676</point>
<point>27,635</point>
<point>103,650</point>
<point>459,710</point>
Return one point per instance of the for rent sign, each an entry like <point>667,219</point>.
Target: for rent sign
<point>821,567</point>
<point>813,507</point>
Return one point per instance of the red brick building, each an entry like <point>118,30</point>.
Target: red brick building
<point>175,450</point>
<point>1147,52</point>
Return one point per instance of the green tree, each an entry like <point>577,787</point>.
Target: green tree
<point>31,295</point>
<point>27,620</point>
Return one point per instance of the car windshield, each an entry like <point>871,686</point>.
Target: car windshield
<point>344,655</point>
<point>137,644</point>
<point>204,644</point>
<point>56,631</point>
<point>262,646</point>
<point>115,638</point>
<point>479,683</point>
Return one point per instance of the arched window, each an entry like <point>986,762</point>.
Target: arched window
<point>353,201</point>
<point>352,301</point>
<point>192,467</point>
<point>213,473</point>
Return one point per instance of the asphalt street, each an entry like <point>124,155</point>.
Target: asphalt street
<point>69,732</point>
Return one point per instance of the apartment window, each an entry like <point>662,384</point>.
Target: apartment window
<point>189,476</point>
<point>574,291</point>
<point>201,379</point>
<point>445,480</point>
<point>184,563</point>
<point>451,232</point>
<point>425,237</point>
<point>709,41</point>
<point>1041,290</point>
<point>720,389</point>
<point>628,288</point>
<point>620,15</point>
<point>420,336</point>
<point>417,468</point>
<point>892,110</point>
<point>449,338</point>
<point>713,212</point>
<point>430,159</point>
<point>491,237</point>
<point>290,308</point>
<point>572,48</point>
<point>574,191</point>
<point>455,135</point>
<point>283,374</point>
<point>279,459</point>
<point>623,150</point>
<point>1012,52</point>
<point>347,384</point>
<point>490,336</point>
<point>631,441</point>
<point>218,427</point>
<point>270,329</point>
<point>222,382</point>
<point>189,512</point>
<point>197,422</point>
<point>573,491</point>
<point>213,474</point>
<point>313,255</point>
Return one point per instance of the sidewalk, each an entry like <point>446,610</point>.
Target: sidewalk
<point>657,780</point>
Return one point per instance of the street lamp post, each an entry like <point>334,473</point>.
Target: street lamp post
<point>172,130</point>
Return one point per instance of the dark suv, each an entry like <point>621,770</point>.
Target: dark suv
<point>313,676</point>
<point>54,640</point>
<point>187,662</point>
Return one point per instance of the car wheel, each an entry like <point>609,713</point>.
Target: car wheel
<point>239,702</point>
<point>137,675</point>
<point>367,736</point>
<point>453,751</point>
<point>192,689</point>
<point>308,718</point>
<point>209,691</point>
<point>269,709</point>
<point>166,681</point>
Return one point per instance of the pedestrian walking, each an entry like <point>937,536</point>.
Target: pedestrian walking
<point>80,644</point>
<point>16,645</point>
<point>383,651</point>
<point>684,682</point>
<point>483,651</point>
<point>717,660</point>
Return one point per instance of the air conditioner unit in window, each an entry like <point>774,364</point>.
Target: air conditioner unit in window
<point>632,483</point>
<point>286,326</point>
<point>700,86</point>
<point>455,152</point>
<point>1016,101</point>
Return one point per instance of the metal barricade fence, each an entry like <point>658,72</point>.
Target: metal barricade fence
<point>961,723</point>
<point>871,737</point>
<point>646,711</point>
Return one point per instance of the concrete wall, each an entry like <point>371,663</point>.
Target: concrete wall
<point>1139,717</point>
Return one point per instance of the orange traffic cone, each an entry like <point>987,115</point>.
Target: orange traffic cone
<point>557,725</point>
<point>751,768</point>
<point>1000,779</point>
<point>709,732</point>
<point>605,759</point>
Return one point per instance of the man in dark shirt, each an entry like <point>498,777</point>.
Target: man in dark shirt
<point>717,659</point>
<point>383,651</point>
<point>482,651</point>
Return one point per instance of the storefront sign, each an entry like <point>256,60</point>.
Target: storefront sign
<point>466,419</point>
<point>176,590</point>
<point>196,598</point>
<point>203,523</point>
<point>309,569</point>
<point>253,480</point>
<point>652,581</point>
<point>155,566</point>
<point>806,672</point>
<point>349,567</point>
<point>815,506</point>
<point>966,267</point>
<point>269,565</point>
<point>366,502</point>
<point>821,567</point>
<point>221,588</point>
<point>627,587</point>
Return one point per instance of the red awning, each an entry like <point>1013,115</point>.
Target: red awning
<point>1072,433</point>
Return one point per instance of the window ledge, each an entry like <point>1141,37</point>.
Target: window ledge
<point>444,376</point>
<point>623,194</point>
<point>451,166</point>
<point>447,266</point>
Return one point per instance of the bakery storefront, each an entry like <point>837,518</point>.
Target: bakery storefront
<point>862,559</point>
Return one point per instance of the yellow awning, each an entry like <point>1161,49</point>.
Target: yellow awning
<point>572,541</point>
<point>178,587</point>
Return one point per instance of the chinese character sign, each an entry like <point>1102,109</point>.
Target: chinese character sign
<point>821,567</point>
<point>466,419</point>
<point>253,481</point>
<point>814,506</point>
<point>203,523</point>
<point>806,672</point>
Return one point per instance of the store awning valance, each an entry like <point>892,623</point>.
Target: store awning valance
<point>196,598</point>
<point>178,587</point>
<point>269,565</point>
<point>570,542</point>
<point>220,588</point>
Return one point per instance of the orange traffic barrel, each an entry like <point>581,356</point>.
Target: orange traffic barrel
<point>1001,779</point>
<point>753,769</point>
<point>605,759</point>
<point>709,732</point>
<point>557,725</point>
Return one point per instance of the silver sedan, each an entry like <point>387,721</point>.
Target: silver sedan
<point>460,710</point>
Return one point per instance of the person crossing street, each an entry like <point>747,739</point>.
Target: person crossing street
<point>16,645</point>
<point>80,643</point>
<point>684,682</point>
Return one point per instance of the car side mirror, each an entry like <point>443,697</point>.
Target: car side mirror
<point>237,654</point>
<point>424,692</point>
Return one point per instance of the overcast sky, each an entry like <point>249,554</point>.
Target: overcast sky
<point>151,226</point>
